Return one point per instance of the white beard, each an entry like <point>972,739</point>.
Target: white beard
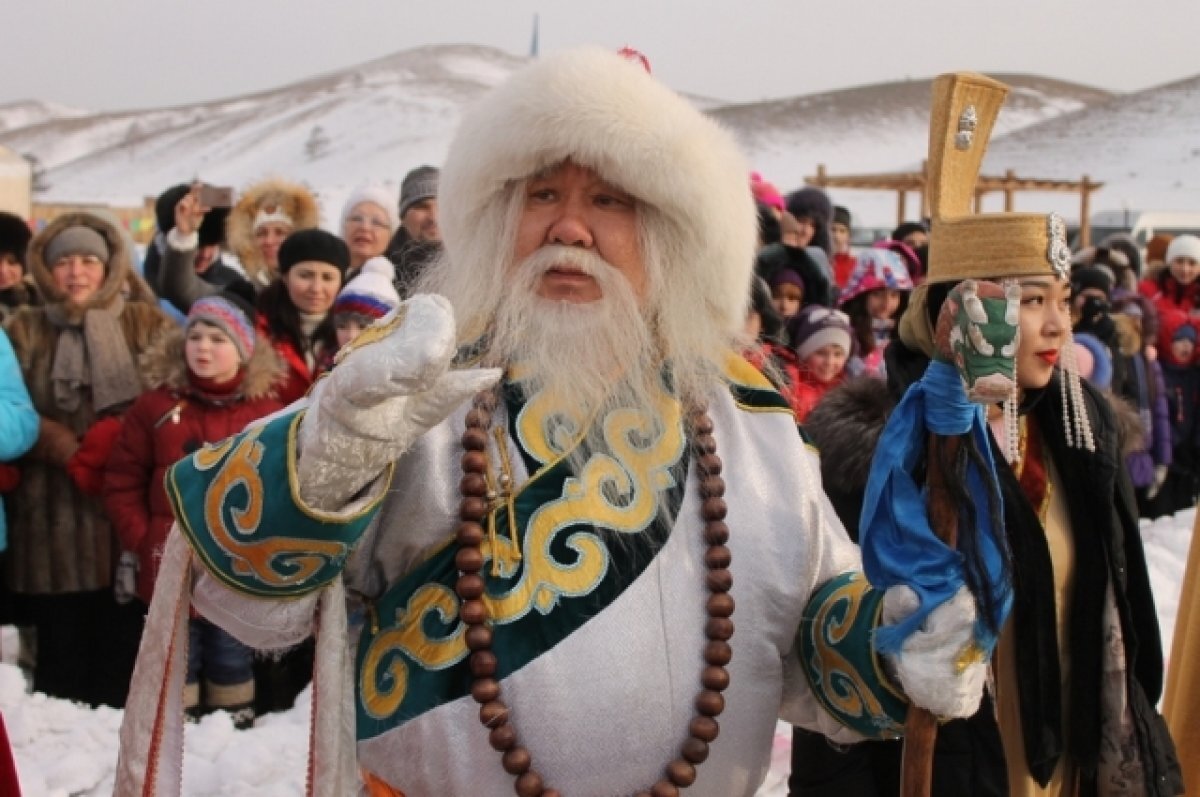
<point>591,356</point>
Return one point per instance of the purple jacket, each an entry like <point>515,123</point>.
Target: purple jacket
<point>1156,422</point>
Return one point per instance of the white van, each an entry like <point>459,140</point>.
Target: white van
<point>1144,224</point>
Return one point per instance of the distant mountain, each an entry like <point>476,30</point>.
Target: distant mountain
<point>25,113</point>
<point>377,120</point>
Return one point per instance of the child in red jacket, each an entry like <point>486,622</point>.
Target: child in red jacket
<point>212,381</point>
<point>821,341</point>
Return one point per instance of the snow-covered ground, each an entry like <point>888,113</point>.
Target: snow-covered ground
<point>65,750</point>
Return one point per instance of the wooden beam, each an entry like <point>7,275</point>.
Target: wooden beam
<point>1085,212</point>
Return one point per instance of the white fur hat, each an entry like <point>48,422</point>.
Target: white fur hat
<point>371,293</point>
<point>1184,246</point>
<point>606,112</point>
<point>376,194</point>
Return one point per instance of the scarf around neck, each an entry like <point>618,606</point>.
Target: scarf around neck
<point>92,352</point>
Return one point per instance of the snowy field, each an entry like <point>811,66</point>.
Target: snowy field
<point>63,750</point>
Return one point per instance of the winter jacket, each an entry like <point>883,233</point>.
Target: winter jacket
<point>969,757</point>
<point>298,377</point>
<point>1167,294</point>
<point>818,286</point>
<point>166,423</point>
<point>174,275</point>
<point>24,293</point>
<point>18,418</point>
<point>59,538</point>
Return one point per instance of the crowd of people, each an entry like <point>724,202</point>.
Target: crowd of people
<point>115,371</point>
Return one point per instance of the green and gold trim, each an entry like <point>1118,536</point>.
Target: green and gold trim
<point>221,494</point>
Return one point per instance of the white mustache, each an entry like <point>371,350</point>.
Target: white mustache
<point>552,256</point>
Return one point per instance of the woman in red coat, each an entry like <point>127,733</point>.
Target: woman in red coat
<point>210,383</point>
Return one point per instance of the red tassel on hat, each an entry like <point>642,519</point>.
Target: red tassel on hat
<point>633,55</point>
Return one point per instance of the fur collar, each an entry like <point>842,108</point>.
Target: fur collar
<point>163,365</point>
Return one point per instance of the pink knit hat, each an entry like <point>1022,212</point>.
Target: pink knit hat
<point>765,192</point>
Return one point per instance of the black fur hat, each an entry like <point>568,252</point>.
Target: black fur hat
<point>14,236</point>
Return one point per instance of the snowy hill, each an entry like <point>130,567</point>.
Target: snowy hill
<point>1144,146</point>
<point>25,113</point>
<point>377,120</point>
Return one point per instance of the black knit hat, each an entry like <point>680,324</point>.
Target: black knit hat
<point>14,236</point>
<point>813,203</point>
<point>314,244</point>
<point>841,216</point>
<point>1092,277</point>
<point>908,228</point>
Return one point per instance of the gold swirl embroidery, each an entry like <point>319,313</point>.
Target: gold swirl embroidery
<point>840,681</point>
<point>617,491</point>
<point>383,690</point>
<point>277,562</point>
<point>209,456</point>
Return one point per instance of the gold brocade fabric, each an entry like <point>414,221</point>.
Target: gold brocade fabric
<point>1181,705</point>
<point>1057,525</point>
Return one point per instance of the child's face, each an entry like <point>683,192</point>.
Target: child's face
<point>210,353</point>
<point>10,270</point>
<point>826,363</point>
<point>1182,350</point>
<point>787,299</point>
<point>883,303</point>
<point>347,329</point>
<point>1184,270</point>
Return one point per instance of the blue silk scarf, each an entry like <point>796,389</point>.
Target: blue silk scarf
<point>898,545</point>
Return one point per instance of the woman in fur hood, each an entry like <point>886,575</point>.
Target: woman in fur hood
<point>77,355</point>
<point>16,285</point>
<point>205,383</point>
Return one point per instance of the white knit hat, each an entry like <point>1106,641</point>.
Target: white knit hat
<point>376,194</point>
<point>1184,246</point>
<point>371,294</point>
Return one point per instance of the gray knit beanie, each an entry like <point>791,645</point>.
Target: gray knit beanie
<point>77,240</point>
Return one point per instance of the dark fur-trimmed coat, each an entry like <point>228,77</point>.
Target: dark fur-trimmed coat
<point>165,424</point>
<point>60,540</point>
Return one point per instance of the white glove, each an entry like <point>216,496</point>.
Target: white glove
<point>379,399</point>
<point>1160,478</point>
<point>939,667</point>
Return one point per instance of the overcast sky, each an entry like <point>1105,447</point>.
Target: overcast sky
<point>110,54</point>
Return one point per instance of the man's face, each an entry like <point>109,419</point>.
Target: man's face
<point>570,205</point>
<point>841,238</point>
<point>420,220</point>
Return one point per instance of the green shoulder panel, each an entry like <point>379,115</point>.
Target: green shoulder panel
<point>752,391</point>
<point>840,664</point>
<point>239,505</point>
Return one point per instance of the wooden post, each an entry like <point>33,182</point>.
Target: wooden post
<point>1085,211</point>
<point>924,197</point>
<point>820,181</point>
<point>900,201</point>
<point>1010,180</point>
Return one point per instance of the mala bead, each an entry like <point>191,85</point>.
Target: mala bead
<point>710,703</point>
<point>704,728</point>
<point>702,424</point>
<point>502,737</point>
<point>713,509</point>
<point>720,604</point>
<point>470,534</point>
<point>474,441</point>
<point>664,788</point>
<point>485,402</point>
<point>473,484</point>
<point>681,773</point>
<point>694,750</point>
<point>493,714</point>
<point>715,678</point>
<point>710,464</point>
<point>469,586</point>
<point>712,487</point>
<point>717,557</point>
<point>478,637</point>
<point>716,532</point>
<point>718,653</point>
<point>478,419</point>
<point>485,690</point>
<point>706,444</point>
<point>516,760</point>
<point>473,509</point>
<point>718,628</point>
<point>530,785</point>
<point>483,664</point>
<point>717,580</point>
<point>473,612</point>
<point>469,560</point>
<point>551,793</point>
<point>474,462</point>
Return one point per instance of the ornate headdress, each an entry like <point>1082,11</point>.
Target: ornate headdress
<point>985,246</point>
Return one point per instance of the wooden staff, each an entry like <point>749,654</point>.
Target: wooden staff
<point>920,727</point>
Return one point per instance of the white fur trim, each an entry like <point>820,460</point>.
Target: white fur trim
<point>262,217</point>
<point>603,111</point>
<point>182,243</point>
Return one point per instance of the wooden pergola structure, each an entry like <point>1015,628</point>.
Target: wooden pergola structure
<point>904,182</point>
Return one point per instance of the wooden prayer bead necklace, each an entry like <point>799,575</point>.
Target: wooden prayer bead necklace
<point>485,688</point>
